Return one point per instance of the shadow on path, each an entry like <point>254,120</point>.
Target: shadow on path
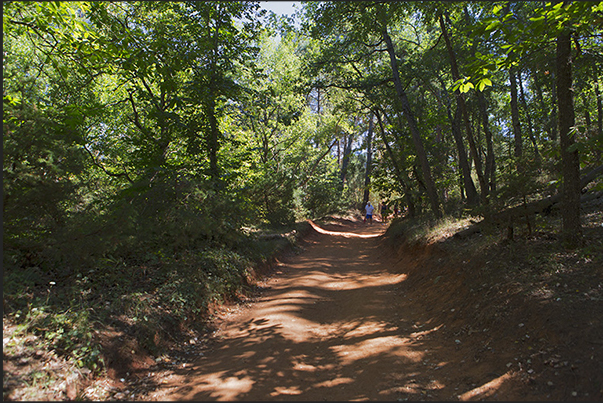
<point>333,325</point>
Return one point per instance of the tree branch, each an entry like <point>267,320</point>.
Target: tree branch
<point>136,119</point>
<point>98,164</point>
<point>317,162</point>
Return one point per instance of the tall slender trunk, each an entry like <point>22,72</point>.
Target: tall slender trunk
<point>590,131</point>
<point>315,164</point>
<point>467,181</point>
<point>345,161</point>
<point>407,179</point>
<point>477,159</point>
<point>554,114</point>
<point>490,168</point>
<point>550,125</point>
<point>599,132</point>
<point>402,179</point>
<point>211,137</point>
<point>524,104</point>
<point>586,113</point>
<point>369,162</point>
<point>490,171</point>
<point>518,144</point>
<point>571,227</point>
<point>543,106</point>
<point>432,193</point>
<point>465,115</point>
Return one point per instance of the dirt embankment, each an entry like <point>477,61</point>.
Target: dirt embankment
<point>526,314</point>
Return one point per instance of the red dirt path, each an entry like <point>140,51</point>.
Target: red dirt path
<point>336,322</point>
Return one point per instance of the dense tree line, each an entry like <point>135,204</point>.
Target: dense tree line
<point>460,90</point>
<point>137,132</point>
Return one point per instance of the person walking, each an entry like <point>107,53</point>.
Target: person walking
<point>369,212</point>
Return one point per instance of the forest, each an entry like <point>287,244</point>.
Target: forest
<point>150,148</point>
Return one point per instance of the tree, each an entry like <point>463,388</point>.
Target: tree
<point>572,231</point>
<point>351,25</point>
<point>462,108</point>
<point>414,130</point>
<point>400,172</point>
<point>44,91</point>
<point>517,135</point>
<point>369,161</point>
<point>275,127</point>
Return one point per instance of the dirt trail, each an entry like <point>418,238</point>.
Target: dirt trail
<point>334,324</point>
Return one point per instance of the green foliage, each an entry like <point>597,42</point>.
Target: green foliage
<point>154,294</point>
<point>464,84</point>
<point>208,276</point>
<point>100,167</point>
<point>522,181</point>
<point>69,333</point>
<point>322,195</point>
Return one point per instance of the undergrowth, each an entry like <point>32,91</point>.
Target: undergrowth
<point>152,297</point>
<point>425,230</point>
<point>537,245</point>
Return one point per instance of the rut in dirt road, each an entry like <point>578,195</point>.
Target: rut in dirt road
<point>332,325</point>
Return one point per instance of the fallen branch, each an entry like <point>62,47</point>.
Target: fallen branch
<point>535,207</point>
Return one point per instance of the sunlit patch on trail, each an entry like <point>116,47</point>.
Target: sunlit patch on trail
<point>334,382</point>
<point>343,234</point>
<point>421,334</point>
<point>352,282</point>
<point>304,367</point>
<point>228,388</point>
<point>286,391</point>
<point>414,387</point>
<point>374,347</point>
<point>486,390</point>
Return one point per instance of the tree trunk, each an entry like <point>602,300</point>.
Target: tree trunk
<point>401,178</point>
<point>490,171</point>
<point>539,206</point>
<point>369,162</point>
<point>432,193</point>
<point>571,227</point>
<point>549,118</point>
<point>528,119</point>
<point>465,115</point>
<point>599,132</point>
<point>345,161</point>
<point>467,181</point>
<point>211,137</point>
<point>518,144</point>
<point>553,115</point>
<point>309,174</point>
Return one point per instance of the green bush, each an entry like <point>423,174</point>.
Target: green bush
<point>69,333</point>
